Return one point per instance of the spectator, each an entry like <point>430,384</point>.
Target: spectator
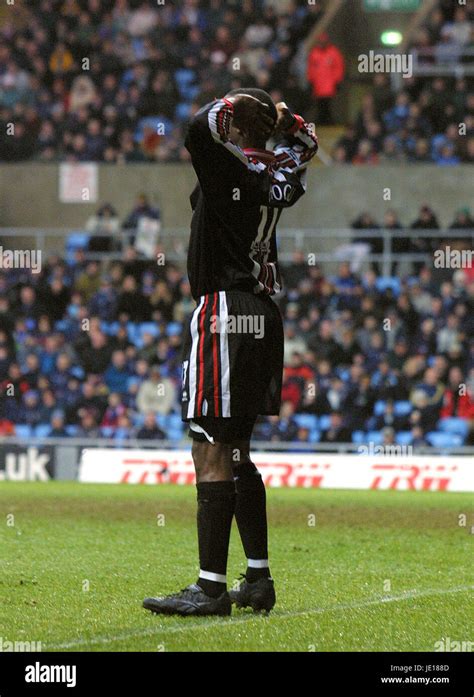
<point>58,428</point>
<point>150,429</point>
<point>96,354</point>
<point>324,345</point>
<point>117,374</point>
<point>284,428</point>
<point>61,60</point>
<point>103,303</point>
<point>88,282</point>
<point>115,409</point>
<point>337,431</point>
<point>30,413</point>
<point>458,398</point>
<point>399,243</point>
<point>426,220</point>
<point>157,394</point>
<point>142,209</point>
<point>131,304</point>
<point>325,72</point>
<point>88,427</point>
<point>462,220</point>
<point>7,428</point>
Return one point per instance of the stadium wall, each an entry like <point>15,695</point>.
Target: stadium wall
<point>29,194</point>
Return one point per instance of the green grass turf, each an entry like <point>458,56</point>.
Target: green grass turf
<point>329,577</point>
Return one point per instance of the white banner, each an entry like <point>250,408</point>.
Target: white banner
<point>78,182</point>
<point>404,473</point>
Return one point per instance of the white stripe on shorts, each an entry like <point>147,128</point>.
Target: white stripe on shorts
<point>193,358</point>
<point>224,345</point>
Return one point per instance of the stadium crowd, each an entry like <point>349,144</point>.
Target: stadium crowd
<point>91,349</point>
<point>422,122</point>
<point>84,80</point>
<point>97,80</point>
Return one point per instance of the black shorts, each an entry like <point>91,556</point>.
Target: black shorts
<point>232,362</point>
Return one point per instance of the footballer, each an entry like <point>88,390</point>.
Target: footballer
<point>230,377</point>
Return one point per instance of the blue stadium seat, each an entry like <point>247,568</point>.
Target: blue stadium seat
<point>42,430</point>
<point>132,381</point>
<point>107,431</point>
<point>374,437</point>
<point>439,439</point>
<point>308,421</point>
<point>137,419</point>
<point>71,430</point>
<point>182,111</point>
<point>121,434</point>
<point>314,436</point>
<point>392,283</point>
<point>74,241</point>
<point>61,325</point>
<point>162,421</point>
<point>138,47</point>
<point>379,407</point>
<point>324,422</point>
<point>133,332</point>
<point>184,77</point>
<point>454,425</point>
<point>149,328</point>
<point>174,434</point>
<point>343,373</point>
<point>404,438</point>
<point>174,328</point>
<point>174,421</point>
<point>23,431</point>
<point>358,437</point>
<point>110,328</point>
<point>402,408</point>
<point>78,372</point>
<point>190,92</point>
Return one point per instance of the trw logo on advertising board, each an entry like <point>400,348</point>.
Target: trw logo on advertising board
<point>412,473</point>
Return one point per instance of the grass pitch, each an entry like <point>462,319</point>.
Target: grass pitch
<point>354,571</point>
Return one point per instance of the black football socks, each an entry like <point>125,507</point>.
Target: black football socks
<point>216,505</point>
<point>251,517</point>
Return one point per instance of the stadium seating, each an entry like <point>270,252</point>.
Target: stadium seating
<point>404,438</point>
<point>402,408</point>
<point>442,440</point>
<point>454,426</point>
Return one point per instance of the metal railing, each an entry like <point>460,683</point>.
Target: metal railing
<point>185,444</point>
<point>432,62</point>
<point>323,243</point>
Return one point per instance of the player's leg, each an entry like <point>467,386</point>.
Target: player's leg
<point>212,462</point>
<point>215,510</point>
<point>216,504</point>
<point>257,588</point>
<point>251,512</point>
<point>255,387</point>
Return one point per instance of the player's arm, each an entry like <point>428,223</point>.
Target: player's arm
<point>296,143</point>
<point>222,167</point>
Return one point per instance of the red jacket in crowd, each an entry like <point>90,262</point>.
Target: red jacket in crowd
<point>325,68</point>
<point>465,406</point>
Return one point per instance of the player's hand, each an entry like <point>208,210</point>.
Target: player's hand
<point>252,115</point>
<point>285,118</point>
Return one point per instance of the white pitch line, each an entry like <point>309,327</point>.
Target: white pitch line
<point>231,622</point>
